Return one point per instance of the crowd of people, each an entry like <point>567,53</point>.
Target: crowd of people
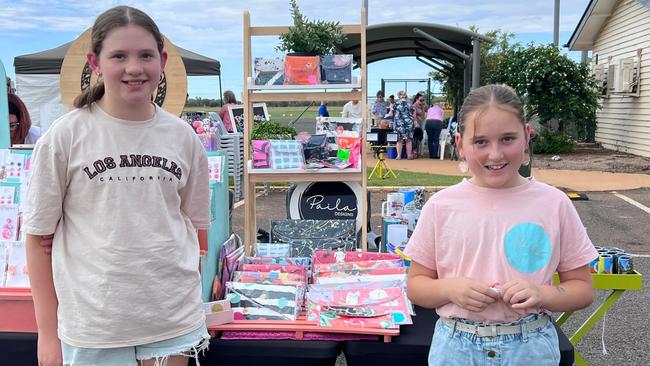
<point>410,118</point>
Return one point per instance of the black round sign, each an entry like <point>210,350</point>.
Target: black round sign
<point>328,200</point>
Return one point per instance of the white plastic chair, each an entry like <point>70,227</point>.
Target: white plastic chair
<point>445,139</point>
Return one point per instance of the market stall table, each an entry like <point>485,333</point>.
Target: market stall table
<point>617,283</point>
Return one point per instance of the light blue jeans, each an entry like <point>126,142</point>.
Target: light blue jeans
<point>189,345</point>
<point>538,347</point>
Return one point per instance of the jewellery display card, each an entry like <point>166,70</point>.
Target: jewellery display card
<point>8,222</point>
<point>17,273</point>
<point>11,165</point>
<point>214,168</point>
<point>3,263</point>
<point>7,194</point>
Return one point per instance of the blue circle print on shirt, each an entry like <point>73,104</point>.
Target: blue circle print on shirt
<point>527,247</point>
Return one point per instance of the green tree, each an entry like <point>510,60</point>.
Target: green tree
<point>491,54</point>
<point>552,87</point>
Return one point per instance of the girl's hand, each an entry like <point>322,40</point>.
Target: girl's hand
<point>471,295</point>
<point>46,243</point>
<point>49,351</point>
<point>522,295</point>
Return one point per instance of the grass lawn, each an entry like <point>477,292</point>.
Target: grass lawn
<point>407,179</point>
<point>404,179</point>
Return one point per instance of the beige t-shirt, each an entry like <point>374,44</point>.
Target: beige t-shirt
<point>124,200</point>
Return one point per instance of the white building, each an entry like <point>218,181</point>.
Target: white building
<point>617,32</point>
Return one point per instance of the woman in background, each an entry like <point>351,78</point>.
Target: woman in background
<point>229,101</point>
<point>20,124</point>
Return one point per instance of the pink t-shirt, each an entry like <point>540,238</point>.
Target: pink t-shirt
<point>435,112</point>
<point>497,235</point>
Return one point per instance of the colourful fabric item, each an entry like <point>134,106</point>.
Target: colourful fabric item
<point>368,307</point>
<point>529,232</point>
<point>261,153</point>
<point>336,69</point>
<point>334,256</point>
<point>287,154</point>
<point>301,70</point>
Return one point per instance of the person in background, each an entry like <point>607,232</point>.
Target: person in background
<point>229,101</point>
<point>419,116</point>
<point>433,126</point>
<point>10,86</point>
<point>122,186</point>
<point>322,110</point>
<point>404,125</point>
<point>352,109</point>
<point>390,108</point>
<point>379,107</point>
<point>490,276</point>
<point>20,124</point>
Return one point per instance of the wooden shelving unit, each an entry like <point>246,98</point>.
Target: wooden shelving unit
<point>330,92</point>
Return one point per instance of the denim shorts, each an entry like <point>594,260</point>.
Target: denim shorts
<point>539,347</point>
<point>189,345</point>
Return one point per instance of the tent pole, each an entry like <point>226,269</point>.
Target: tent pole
<point>220,92</point>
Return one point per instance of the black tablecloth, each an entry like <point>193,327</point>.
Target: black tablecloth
<point>410,348</point>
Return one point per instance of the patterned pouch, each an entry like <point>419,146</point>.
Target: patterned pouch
<point>269,71</point>
<point>305,236</point>
<point>336,69</point>
<point>287,154</point>
<point>301,70</point>
<point>261,156</point>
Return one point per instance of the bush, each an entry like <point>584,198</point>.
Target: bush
<point>270,130</point>
<point>554,143</point>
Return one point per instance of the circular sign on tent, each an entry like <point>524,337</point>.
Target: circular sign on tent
<point>326,201</point>
<point>77,76</point>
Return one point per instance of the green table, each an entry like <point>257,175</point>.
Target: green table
<point>617,283</point>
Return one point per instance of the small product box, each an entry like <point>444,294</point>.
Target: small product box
<point>217,312</point>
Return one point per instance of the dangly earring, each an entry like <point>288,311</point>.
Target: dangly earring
<point>100,78</point>
<point>462,165</point>
<point>526,159</point>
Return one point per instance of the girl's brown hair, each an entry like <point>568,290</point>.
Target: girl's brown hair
<point>18,109</point>
<point>493,95</point>
<point>229,97</point>
<point>119,16</point>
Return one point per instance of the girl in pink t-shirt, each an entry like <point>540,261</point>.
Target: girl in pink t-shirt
<point>485,250</point>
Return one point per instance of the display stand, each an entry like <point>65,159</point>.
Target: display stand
<point>299,327</point>
<point>219,225</point>
<point>5,136</point>
<point>618,284</point>
<point>331,92</point>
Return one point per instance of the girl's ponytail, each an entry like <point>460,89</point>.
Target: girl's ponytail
<point>90,95</point>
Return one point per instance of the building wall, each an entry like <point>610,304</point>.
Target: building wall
<point>623,123</point>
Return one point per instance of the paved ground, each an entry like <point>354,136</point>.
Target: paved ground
<point>609,221</point>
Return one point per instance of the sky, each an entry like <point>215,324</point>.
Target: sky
<point>214,28</point>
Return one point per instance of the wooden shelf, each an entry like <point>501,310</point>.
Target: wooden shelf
<point>303,175</point>
<point>356,84</point>
<point>357,90</point>
<point>300,326</point>
<point>304,96</point>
